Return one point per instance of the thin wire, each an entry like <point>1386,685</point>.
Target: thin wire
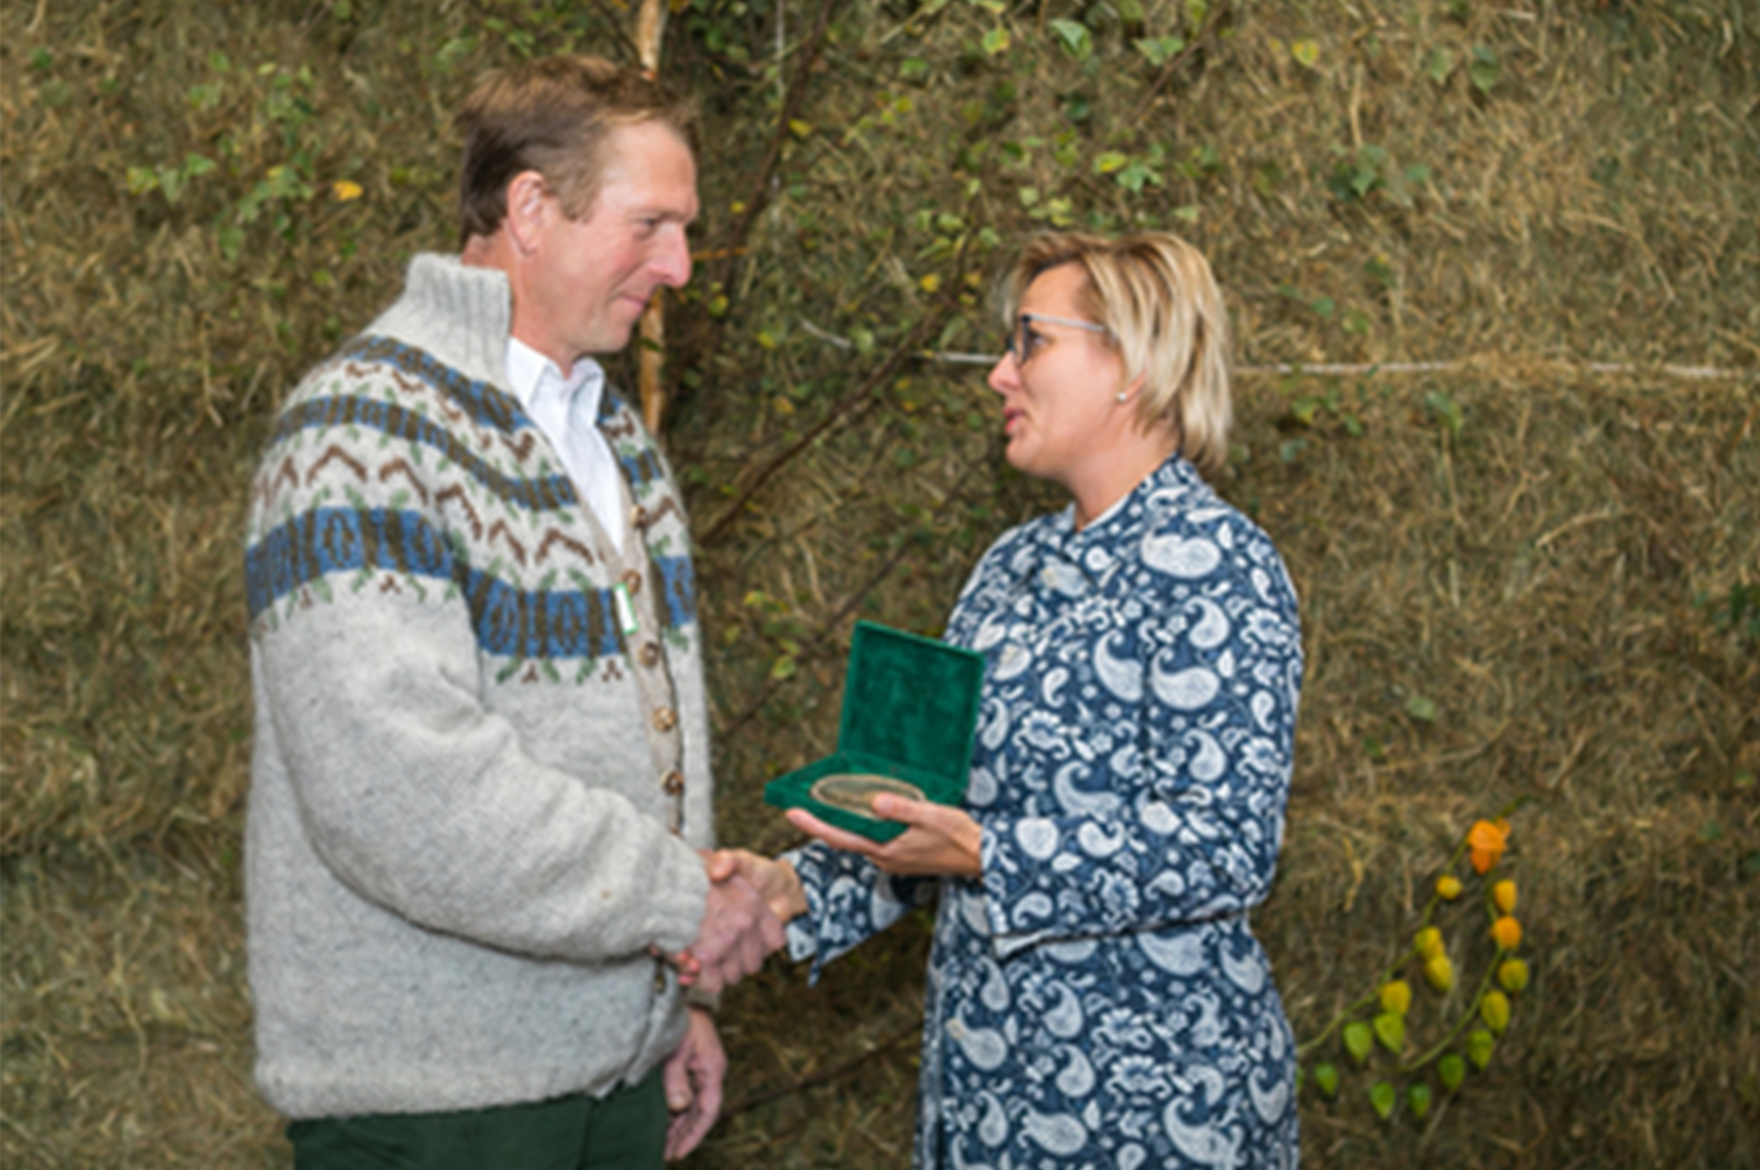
<point>1352,369</point>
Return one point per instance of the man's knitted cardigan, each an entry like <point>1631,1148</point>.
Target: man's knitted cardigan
<point>465,761</point>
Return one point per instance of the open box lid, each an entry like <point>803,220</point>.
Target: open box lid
<point>910,700</point>
<point>910,712</point>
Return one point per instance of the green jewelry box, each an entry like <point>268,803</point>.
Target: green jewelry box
<point>910,713</point>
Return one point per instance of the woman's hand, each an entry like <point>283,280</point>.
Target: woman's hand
<point>776,880</point>
<point>940,841</point>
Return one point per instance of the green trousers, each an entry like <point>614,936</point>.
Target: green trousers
<point>625,1130</point>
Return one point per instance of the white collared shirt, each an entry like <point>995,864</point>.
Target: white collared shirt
<point>567,411</point>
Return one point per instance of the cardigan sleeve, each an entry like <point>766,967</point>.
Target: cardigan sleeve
<point>1185,823</point>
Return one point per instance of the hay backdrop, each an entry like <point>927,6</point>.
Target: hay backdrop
<point>1522,581</point>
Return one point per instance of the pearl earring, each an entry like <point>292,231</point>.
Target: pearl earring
<point>1123,396</point>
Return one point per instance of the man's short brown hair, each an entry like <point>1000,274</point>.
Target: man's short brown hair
<point>552,116</point>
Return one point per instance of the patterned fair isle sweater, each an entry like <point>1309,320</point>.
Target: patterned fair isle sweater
<point>475,723</point>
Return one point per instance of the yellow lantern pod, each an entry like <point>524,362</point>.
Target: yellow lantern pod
<point>1396,997</point>
<point>1494,1010</point>
<point>1503,894</point>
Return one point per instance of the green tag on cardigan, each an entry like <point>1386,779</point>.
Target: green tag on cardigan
<point>626,610</point>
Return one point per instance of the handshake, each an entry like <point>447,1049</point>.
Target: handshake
<point>750,898</point>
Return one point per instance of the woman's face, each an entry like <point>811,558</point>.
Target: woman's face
<point>1060,410</point>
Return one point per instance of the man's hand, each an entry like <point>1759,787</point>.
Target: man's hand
<point>940,840</point>
<point>738,933</point>
<point>775,879</point>
<point>693,1085</point>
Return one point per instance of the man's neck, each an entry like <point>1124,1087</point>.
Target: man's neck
<point>497,251</point>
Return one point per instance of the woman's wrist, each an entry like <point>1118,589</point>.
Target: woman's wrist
<point>791,901</point>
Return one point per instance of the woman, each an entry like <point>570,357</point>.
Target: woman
<point>1095,995</point>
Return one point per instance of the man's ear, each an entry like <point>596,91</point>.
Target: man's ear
<point>529,207</point>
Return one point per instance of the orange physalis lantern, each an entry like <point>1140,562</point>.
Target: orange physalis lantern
<point>1485,842</point>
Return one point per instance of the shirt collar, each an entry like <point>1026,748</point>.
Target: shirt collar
<point>1174,475</point>
<point>528,371</point>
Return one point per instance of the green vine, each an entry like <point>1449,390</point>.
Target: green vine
<point>1375,1031</point>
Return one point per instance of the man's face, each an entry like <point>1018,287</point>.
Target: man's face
<point>590,278</point>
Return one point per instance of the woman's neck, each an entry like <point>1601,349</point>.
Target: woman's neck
<point>1114,474</point>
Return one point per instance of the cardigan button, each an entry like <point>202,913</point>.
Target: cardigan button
<point>665,719</point>
<point>638,517</point>
<point>672,783</point>
<point>649,653</point>
<point>633,579</point>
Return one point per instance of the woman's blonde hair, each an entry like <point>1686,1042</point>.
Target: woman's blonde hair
<point>1164,317</point>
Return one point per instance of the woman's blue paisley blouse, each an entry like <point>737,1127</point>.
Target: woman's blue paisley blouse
<point>1097,998</point>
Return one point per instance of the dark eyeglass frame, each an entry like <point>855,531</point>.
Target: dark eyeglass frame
<point>1023,343</point>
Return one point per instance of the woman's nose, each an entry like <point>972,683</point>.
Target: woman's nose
<point>1004,375</point>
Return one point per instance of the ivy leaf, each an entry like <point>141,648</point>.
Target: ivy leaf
<point>1383,1097</point>
<point>1390,1029</point>
<point>1480,1044</point>
<point>1158,51</point>
<point>1136,175</point>
<point>1358,1040</point>
<point>996,41</point>
<point>1453,1070</point>
<point>1326,1077</point>
<point>1306,53</point>
<point>1484,68</point>
<point>1445,410</point>
<point>1439,65</point>
<point>171,183</point>
<point>1418,1100</point>
<point>1077,41</point>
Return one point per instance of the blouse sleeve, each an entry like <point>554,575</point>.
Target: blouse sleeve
<point>1186,823</point>
<point>849,900</point>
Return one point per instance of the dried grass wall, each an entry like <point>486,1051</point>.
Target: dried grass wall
<point>1523,580</point>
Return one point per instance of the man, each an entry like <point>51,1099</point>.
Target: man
<point>480,782</point>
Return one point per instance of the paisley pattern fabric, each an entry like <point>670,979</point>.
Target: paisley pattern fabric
<point>1097,998</point>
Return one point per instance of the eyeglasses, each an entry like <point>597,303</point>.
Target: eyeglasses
<point>1024,341</point>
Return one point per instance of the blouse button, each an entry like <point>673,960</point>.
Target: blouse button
<point>665,719</point>
<point>649,653</point>
<point>633,579</point>
<point>672,783</point>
